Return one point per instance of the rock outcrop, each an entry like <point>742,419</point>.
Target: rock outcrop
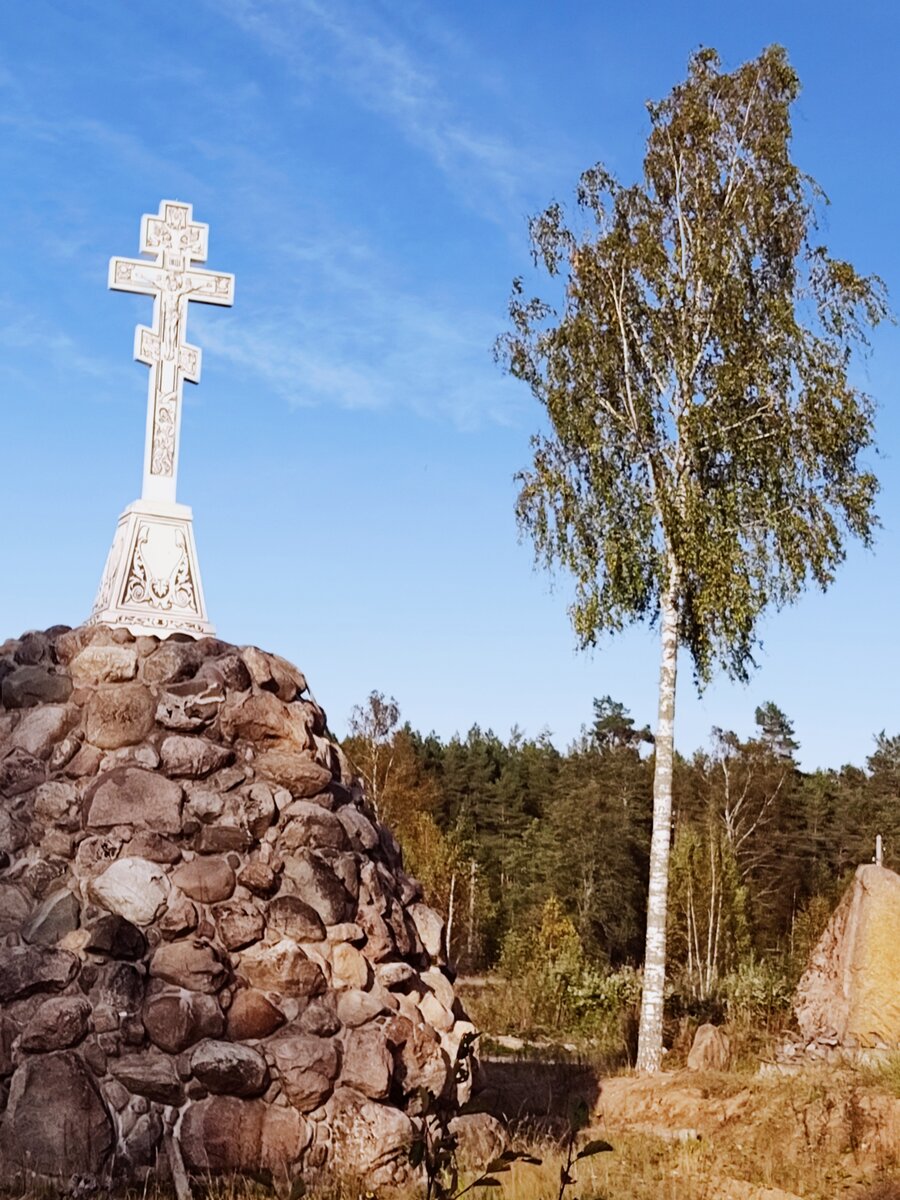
<point>849,996</point>
<point>207,941</point>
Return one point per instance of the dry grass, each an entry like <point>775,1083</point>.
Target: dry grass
<point>820,1134</point>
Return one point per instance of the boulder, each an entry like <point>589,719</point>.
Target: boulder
<point>312,826</point>
<point>25,970</point>
<point>253,1015</point>
<point>19,772</point>
<point>41,728</point>
<point>133,888</point>
<point>56,1125</point>
<point>258,809</point>
<point>54,917</point>
<point>302,776</point>
<point>132,796</point>
<point>361,833</point>
<point>260,718</point>
<point>9,1031</point>
<point>355,1008</point>
<point>152,1075</point>
<point>419,1060</point>
<point>208,879</point>
<point>116,937</point>
<point>15,908</point>
<point>434,1013</point>
<point>31,685</point>
<point>103,664</point>
<point>223,1135</point>
<point>850,992</point>
<point>282,967</point>
<point>710,1051</point>
<point>177,1018</point>
<point>480,1138</point>
<point>119,716</point>
<point>173,662</point>
<point>120,986</point>
<point>294,918</point>
<point>318,886</point>
<point>319,1018</point>
<point>274,674</point>
<point>239,922</point>
<point>57,1024</point>
<point>230,1069</point>
<point>190,964</point>
<point>430,927</point>
<point>350,968</point>
<point>55,803</point>
<point>190,706</point>
<point>259,878</point>
<point>366,1062</point>
<point>193,757</point>
<point>369,1141</point>
<point>307,1067</point>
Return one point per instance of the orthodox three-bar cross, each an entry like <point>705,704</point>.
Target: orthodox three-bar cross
<point>175,243</point>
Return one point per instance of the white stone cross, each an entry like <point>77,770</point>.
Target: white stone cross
<point>151,582</point>
<point>175,243</point>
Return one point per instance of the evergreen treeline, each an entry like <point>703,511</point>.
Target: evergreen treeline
<point>497,829</point>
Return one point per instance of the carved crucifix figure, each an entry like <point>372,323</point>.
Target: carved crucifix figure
<point>176,244</point>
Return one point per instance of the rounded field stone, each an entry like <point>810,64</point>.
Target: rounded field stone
<point>207,878</point>
<point>296,919</point>
<point>56,1124</point>
<point>133,796</point>
<point>177,1018</point>
<point>120,716</point>
<point>252,1015</point>
<point>189,964</point>
<point>59,1023</point>
<point>224,1134</point>
<point>229,1069</point>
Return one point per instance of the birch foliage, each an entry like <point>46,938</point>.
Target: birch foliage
<point>703,453</point>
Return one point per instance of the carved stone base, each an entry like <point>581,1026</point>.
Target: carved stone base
<point>151,584</point>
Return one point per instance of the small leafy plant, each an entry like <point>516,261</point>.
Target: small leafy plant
<point>435,1150</point>
<point>577,1122</point>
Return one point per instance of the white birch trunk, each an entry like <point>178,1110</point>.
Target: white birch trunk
<point>650,1036</point>
<point>450,915</point>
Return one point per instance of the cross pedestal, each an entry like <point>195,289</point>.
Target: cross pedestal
<point>151,584</point>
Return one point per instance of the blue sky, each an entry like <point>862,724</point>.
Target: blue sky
<point>367,170</point>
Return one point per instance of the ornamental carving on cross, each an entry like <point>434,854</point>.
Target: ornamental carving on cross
<point>174,243</point>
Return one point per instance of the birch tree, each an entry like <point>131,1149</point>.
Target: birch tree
<point>371,743</point>
<point>702,457</point>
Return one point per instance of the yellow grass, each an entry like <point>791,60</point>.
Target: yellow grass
<point>821,1134</point>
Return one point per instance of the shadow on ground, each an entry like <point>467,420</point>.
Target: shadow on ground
<point>538,1094</point>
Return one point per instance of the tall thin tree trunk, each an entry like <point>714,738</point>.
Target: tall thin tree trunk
<point>711,919</point>
<point>470,942</point>
<point>650,1035</point>
<point>450,915</point>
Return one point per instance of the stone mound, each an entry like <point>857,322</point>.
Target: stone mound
<point>849,996</point>
<point>209,950</point>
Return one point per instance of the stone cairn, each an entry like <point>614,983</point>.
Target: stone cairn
<point>210,956</point>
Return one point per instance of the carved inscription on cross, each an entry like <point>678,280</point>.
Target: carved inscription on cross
<point>174,243</point>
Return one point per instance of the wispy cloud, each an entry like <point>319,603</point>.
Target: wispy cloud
<point>412,80</point>
<point>356,340</point>
<point>328,313</point>
<point>26,334</point>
